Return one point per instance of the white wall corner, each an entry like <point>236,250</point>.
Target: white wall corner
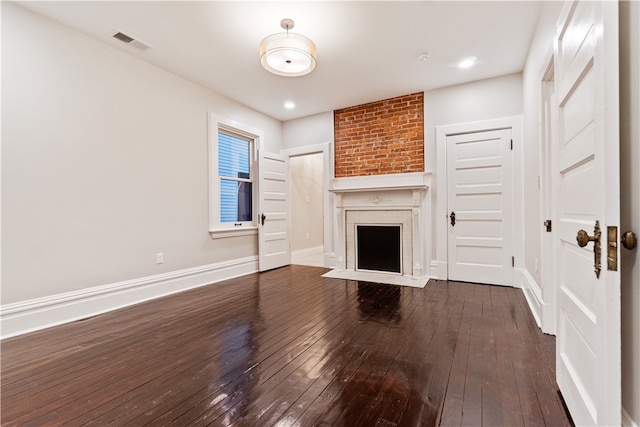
<point>532,294</point>
<point>627,421</point>
<point>40,313</point>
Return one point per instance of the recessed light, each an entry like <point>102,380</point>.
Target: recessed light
<point>289,105</point>
<point>467,62</point>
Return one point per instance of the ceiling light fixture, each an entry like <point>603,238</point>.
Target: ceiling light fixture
<point>288,54</point>
<point>289,105</point>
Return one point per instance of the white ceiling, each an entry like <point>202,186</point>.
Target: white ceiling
<point>366,49</point>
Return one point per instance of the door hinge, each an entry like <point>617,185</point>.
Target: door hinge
<point>547,224</point>
<point>513,261</point>
<point>512,145</point>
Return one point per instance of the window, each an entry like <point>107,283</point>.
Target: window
<point>232,171</point>
<point>236,182</point>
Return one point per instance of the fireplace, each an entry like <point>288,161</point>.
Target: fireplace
<point>379,248</point>
<point>402,219</point>
<point>382,208</point>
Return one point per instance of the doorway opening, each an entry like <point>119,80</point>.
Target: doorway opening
<point>307,209</point>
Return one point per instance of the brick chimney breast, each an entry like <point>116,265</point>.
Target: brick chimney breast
<point>380,138</point>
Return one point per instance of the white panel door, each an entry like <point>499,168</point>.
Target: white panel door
<point>586,190</point>
<point>479,180</point>
<point>273,221</point>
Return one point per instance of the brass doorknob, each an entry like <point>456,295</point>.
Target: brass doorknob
<point>629,240</point>
<point>583,238</point>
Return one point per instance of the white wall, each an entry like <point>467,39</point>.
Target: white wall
<point>306,189</point>
<point>310,130</point>
<point>481,100</point>
<point>104,163</point>
<point>630,204</point>
<point>539,54</point>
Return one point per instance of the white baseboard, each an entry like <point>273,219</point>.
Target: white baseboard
<point>533,295</point>
<point>40,313</point>
<point>308,251</point>
<point>627,421</point>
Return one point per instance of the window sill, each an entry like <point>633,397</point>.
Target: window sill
<point>233,232</point>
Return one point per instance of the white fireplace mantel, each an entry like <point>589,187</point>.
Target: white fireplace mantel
<point>401,181</point>
<point>406,192</point>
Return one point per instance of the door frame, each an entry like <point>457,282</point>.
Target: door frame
<point>439,266</point>
<point>548,288</point>
<point>489,149</point>
<point>327,200</point>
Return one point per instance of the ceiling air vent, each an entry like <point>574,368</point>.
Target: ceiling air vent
<point>140,45</point>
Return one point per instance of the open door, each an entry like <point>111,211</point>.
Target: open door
<point>585,228</point>
<point>273,221</point>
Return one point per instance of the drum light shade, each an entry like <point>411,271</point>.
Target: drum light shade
<point>288,54</point>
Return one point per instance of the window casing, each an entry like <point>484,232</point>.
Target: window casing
<point>232,177</point>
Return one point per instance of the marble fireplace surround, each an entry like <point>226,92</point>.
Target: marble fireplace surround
<point>383,199</point>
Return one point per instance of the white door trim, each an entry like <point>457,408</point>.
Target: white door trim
<point>327,200</point>
<point>547,288</point>
<point>440,259</point>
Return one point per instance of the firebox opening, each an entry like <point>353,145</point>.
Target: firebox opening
<point>379,248</point>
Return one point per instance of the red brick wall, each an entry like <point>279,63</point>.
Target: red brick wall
<point>380,138</point>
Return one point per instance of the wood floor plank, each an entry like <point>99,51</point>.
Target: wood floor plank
<point>541,374</point>
<point>297,384</point>
<point>319,397</point>
<point>297,352</point>
<point>472,397</point>
<point>240,369</point>
<point>511,412</point>
<point>492,404</point>
<point>424,405</point>
<point>365,378</point>
<point>390,376</point>
<point>288,347</point>
<point>452,409</point>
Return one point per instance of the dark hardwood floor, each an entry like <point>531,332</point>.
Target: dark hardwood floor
<point>286,348</point>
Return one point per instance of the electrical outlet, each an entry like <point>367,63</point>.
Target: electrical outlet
<point>159,258</point>
<point>307,236</point>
